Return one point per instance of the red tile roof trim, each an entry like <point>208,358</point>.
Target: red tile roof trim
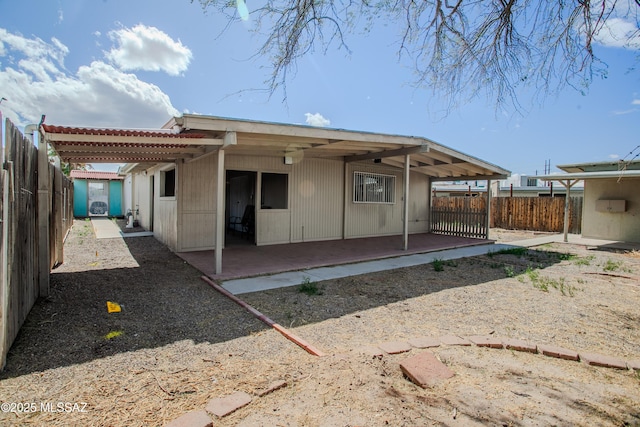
<point>95,175</point>
<point>119,132</point>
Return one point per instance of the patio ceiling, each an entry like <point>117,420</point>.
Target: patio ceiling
<point>192,136</point>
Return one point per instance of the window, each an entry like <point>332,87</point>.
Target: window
<point>168,183</point>
<point>275,191</point>
<point>373,188</point>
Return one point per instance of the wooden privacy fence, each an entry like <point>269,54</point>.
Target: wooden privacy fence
<point>536,213</point>
<point>36,205</point>
<point>459,216</point>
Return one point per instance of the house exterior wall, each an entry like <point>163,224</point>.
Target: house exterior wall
<point>320,206</point>
<point>622,226</point>
<point>196,192</point>
<point>419,188</point>
<point>141,203</point>
<point>373,219</point>
<point>127,194</point>
<point>317,197</point>
<point>273,226</point>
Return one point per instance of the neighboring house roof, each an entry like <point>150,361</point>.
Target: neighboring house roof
<point>190,137</point>
<point>94,175</point>
<point>601,166</point>
<point>591,175</point>
<point>598,170</point>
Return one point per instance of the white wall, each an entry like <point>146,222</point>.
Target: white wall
<point>623,226</point>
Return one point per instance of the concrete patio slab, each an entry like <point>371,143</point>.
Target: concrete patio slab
<point>255,284</point>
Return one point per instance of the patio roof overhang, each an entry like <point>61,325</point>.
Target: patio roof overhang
<point>95,145</point>
<point>191,137</point>
<point>256,138</point>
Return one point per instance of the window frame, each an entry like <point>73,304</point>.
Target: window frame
<point>360,191</point>
<point>163,183</point>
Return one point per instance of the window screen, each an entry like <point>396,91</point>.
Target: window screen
<point>373,188</point>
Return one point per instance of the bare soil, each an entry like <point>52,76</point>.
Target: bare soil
<point>177,343</point>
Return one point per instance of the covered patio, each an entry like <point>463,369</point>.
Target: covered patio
<point>331,186</point>
<point>249,260</point>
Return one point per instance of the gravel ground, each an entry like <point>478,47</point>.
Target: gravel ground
<point>177,343</point>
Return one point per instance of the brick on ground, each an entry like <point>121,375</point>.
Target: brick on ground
<point>453,340</point>
<point>192,419</point>
<point>225,405</point>
<point>485,341</point>
<point>558,352</point>
<point>425,370</point>
<point>424,342</point>
<point>372,351</point>
<point>395,347</point>
<point>519,345</point>
<point>595,359</point>
<point>634,364</point>
<point>276,385</point>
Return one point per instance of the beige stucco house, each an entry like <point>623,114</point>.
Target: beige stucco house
<point>198,177</point>
<point>611,207</point>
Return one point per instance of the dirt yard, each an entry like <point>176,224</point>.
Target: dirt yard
<point>177,343</point>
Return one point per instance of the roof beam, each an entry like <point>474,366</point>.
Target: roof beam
<point>170,139</point>
<point>387,153</point>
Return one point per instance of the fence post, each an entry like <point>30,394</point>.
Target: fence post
<point>44,207</point>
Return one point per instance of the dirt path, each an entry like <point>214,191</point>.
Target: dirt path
<point>177,343</point>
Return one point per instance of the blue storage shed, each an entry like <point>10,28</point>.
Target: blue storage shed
<point>96,193</point>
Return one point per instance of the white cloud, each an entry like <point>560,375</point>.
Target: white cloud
<point>619,32</point>
<point>149,49</point>
<point>635,102</point>
<point>614,156</point>
<point>317,120</point>
<point>98,94</point>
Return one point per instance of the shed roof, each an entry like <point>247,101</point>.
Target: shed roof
<point>191,136</point>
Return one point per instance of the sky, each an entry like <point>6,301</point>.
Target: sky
<point>135,64</point>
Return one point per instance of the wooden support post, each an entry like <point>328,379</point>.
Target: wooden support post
<point>405,225</point>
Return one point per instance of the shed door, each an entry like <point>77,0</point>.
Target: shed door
<point>98,198</point>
